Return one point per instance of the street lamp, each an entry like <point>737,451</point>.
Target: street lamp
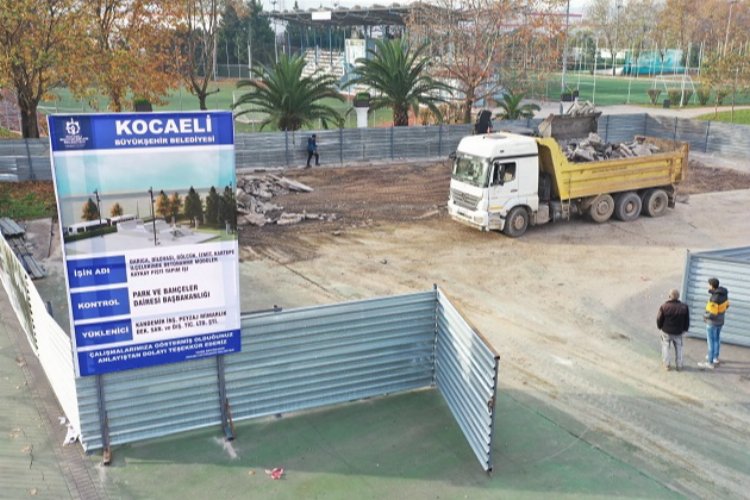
<point>98,206</point>
<point>153,218</point>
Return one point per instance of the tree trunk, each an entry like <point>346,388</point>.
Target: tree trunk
<point>468,102</point>
<point>400,116</point>
<point>29,122</point>
<point>202,99</point>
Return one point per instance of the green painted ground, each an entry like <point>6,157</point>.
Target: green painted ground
<point>62,101</point>
<point>404,446</point>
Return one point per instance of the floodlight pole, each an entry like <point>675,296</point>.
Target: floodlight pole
<point>565,55</point>
<point>275,35</point>
<point>729,22</point>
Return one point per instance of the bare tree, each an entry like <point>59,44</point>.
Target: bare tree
<point>199,33</point>
<point>470,39</point>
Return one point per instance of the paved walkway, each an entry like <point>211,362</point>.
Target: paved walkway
<point>33,461</point>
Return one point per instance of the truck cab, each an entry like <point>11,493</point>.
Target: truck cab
<point>493,175</point>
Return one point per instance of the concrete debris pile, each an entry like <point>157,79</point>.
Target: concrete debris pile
<point>254,206</point>
<point>593,148</point>
<point>579,108</point>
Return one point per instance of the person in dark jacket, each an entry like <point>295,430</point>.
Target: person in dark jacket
<point>716,307</point>
<point>673,319</point>
<point>312,150</point>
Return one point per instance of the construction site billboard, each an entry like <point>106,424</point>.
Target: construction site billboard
<point>148,223</point>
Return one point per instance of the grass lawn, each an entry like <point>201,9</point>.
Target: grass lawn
<point>8,134</point>
<point>741,116</point>
<point>27,200</point>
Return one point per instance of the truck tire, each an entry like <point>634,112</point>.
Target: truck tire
<point>516,223</point>
<point>628,206</point>
<point>601,210</point>
<point>655,202</point>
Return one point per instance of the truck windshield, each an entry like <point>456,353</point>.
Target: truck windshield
<point>470,169</point>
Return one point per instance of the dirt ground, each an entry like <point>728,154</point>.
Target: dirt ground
<point>569,307</point>
<point>367,196</point>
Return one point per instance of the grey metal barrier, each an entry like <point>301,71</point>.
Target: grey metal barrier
<point>732,268</point>
<point>300,359</point>
<point>466,368</point>
<point>29,159</point>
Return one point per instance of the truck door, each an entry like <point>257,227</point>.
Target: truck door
<point>503,186</point>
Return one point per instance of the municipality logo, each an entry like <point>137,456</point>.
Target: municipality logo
<point>73,127</point>
<point>73,138</point>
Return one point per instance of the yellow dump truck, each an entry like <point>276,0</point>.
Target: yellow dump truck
<point>506,182</point>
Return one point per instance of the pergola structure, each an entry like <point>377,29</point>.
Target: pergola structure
<point>395,15</point>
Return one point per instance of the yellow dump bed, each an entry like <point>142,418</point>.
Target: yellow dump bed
<point>579,180</point>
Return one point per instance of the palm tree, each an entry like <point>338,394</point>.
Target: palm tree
<point>398,74</point>
<point>512,109</point>
<point>289,99</point>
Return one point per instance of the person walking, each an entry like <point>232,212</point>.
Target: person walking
<point>312,150</point>
<point>673,319</point>
<point>716,307</point>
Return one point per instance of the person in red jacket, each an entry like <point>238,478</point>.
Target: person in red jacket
<point>673,319</point>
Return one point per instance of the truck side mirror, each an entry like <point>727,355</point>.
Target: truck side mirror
<point>452,156</point>
<point>498,169</point>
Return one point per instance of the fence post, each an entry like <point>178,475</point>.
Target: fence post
<point>103,420</point>
<point>674,134</point>
<point>606,130</point>
<point>440,139</point>
<point>645,124</point>
<point>392,142</point>
<point>28,157</point>
<point>341,146</point>
<point>286,146</point>
<point>705,144</point>
<point>226,420</point>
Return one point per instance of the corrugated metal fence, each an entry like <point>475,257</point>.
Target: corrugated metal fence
<point>47,340</point>
<point>29,159</point>
<point>306,358</point>
<point>732,268</point>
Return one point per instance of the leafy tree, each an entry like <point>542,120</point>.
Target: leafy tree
<point>512,108</point>
<point>398,75</point>
<point>90,211</point>
<point>240,22</point>
<point>162,205</point>
<point>289,99</point>
<point>212,207</point>
<point>128,51</point>
<point>193,206</point>
<point>116,210</point>
<point>36,39</point>
<point>228,208</point>
<point>175,204</point>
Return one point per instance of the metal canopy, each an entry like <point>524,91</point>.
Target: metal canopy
<point>395,15</point>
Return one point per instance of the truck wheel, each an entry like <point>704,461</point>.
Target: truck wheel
<point>516,223</point>
<point>655,202</point>
<point>628,206</point>
<point>601,210</point>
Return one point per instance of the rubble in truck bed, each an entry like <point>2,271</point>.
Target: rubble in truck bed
<point>254,206</point>
<point>593,148</point>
